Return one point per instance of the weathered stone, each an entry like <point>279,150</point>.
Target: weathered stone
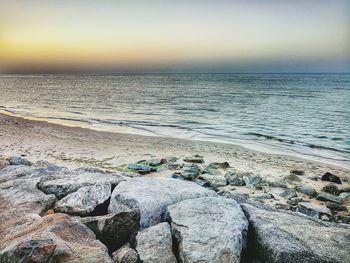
<point>335,207</point>
<point>307,190</point>
<point>194,159</point>
<point>125,254</point>
<point>141,168</point>
<point>189,171</point>
<point>262,196</point>
<point>154,244</point>
<point>156,162</point>
<point>214,180</point>
<point>290,178</point>
<point>331,178</point>
<point>17,160</point>
<point>253,182</point>
<point>3,164</point>
<point>297,172</point>
<point>331,188</point>
<point>313,210</point>
<point>288,194</point>
<point>278,237</point>
<point>295,200</point>
<point>114,230</point>
<point>233,179</point>
<point>277,183</point>
<point>208,229</point>
<point>282,206</point>
<point>52,238</point>
<point>329,198</point>
<point>152,196</point>
<point>69,181</point>
<point>345,196</point>
<point>86,200</point>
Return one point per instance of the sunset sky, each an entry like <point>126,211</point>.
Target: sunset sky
<point>174,36</point>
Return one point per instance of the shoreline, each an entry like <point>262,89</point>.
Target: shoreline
<point>248,147</point>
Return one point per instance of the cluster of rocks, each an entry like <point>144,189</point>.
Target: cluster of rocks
<point>54,214</point>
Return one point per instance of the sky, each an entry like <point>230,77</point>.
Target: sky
<point>45,36</point>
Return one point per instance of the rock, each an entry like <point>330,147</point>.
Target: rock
<point>233,179</point>
<point>3,164</point>
<point>297,172</point>
<point>214,181</point>
<point>331,188</point>
<point>208,229</point>
<point>278,236</point>
<point>17,160</point>
<point>345,196</point>
<point>253,182</point>
<point>288,194</point>
<point>335,207</point>
<point>141,168</point>
<point>282,206</point>
<point>86,200</point>
<point>277,183</point>
<point>306,190</point>
<point>262,196</point>
<point>295,200</point>
<point>313,178</point>
<point>201,182</point>
<point>52,238</point>
<point>291,178</point>
<point>154,244</point>
<point>152,196</point>
<point>329,198</point>
<point>313,210</point>
<point>69,181</point>
<point>194,159</point>
<point>156,162</point>
<point>114,230</point>
<point>189,171</point>
<point>331,178</point>
<point>125,254</point>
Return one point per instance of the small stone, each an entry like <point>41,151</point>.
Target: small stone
<point>331,188</point>
<point>3,164</point>
<point>345,196</point>
<point>233,179</point>
<point>17,160</point>
<point>329,198</point>
<point>194,159</point>
<point>141,168</point>
<point>292,178</point>
<point>295,200</point>
<point>312,210</point>
<point>288,194</point>
<point>277,183</point>
<point>125,254</point>
<point>331,178</point>
<point>214,180</point>
<point>190,171</point>
<point>306,190</point>
<point>282,206</point>
<point>297,172</point>
<point>313,178</point>
<point>156,162</point>
<point>253,182</point>
<point>325,218</point>
<point>335,207</point>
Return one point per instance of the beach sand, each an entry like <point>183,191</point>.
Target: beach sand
<point>74,146</point>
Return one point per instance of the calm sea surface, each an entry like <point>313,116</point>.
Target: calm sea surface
<point>301,114</point>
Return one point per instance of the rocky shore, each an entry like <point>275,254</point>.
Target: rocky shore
<point>170,210</point>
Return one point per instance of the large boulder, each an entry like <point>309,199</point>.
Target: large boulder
<point>154,244</point>
<point>52,238</point>
<point>69,181</point>
<point>209,229</point>
<point>152,196</point>
<point>86,200</point>
<point>114,230</point>
<point>276,236</point>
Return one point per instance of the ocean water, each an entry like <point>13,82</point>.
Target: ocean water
<point>306,115</point>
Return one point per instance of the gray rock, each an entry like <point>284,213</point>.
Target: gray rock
<point>291,178</point>
<point>262,196</point>
<point>297,172</point>
<point>52,238</point>
<point>156,162</point>
<point>69,181</point>
<point>277,236</point>
<point>125,254</point>
<point>214,180</point>
<point>152,196</point>
<point>329,198</point>
<point>233,179</point>
<point>114,230</point>
<point>85,200</point>
<point>154,244</point>
<point>307,190</point>
<point>331,178</point>
<point>189,171</point>
<point>288,194</point>
<point>3,164</point>
<point>277,183</point>
<point>209,229</point>
<point>331,188</point>
<point>295,201</point>
<point>194,159</point>
<point>253,182</point>
<point>345,196</point>
<point>141,168</point>
<point>17,160</point>
<point>313,210</point>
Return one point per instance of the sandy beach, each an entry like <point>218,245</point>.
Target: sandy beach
<point>74,146</point>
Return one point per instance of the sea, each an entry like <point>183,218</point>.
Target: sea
<point>304,115</point>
